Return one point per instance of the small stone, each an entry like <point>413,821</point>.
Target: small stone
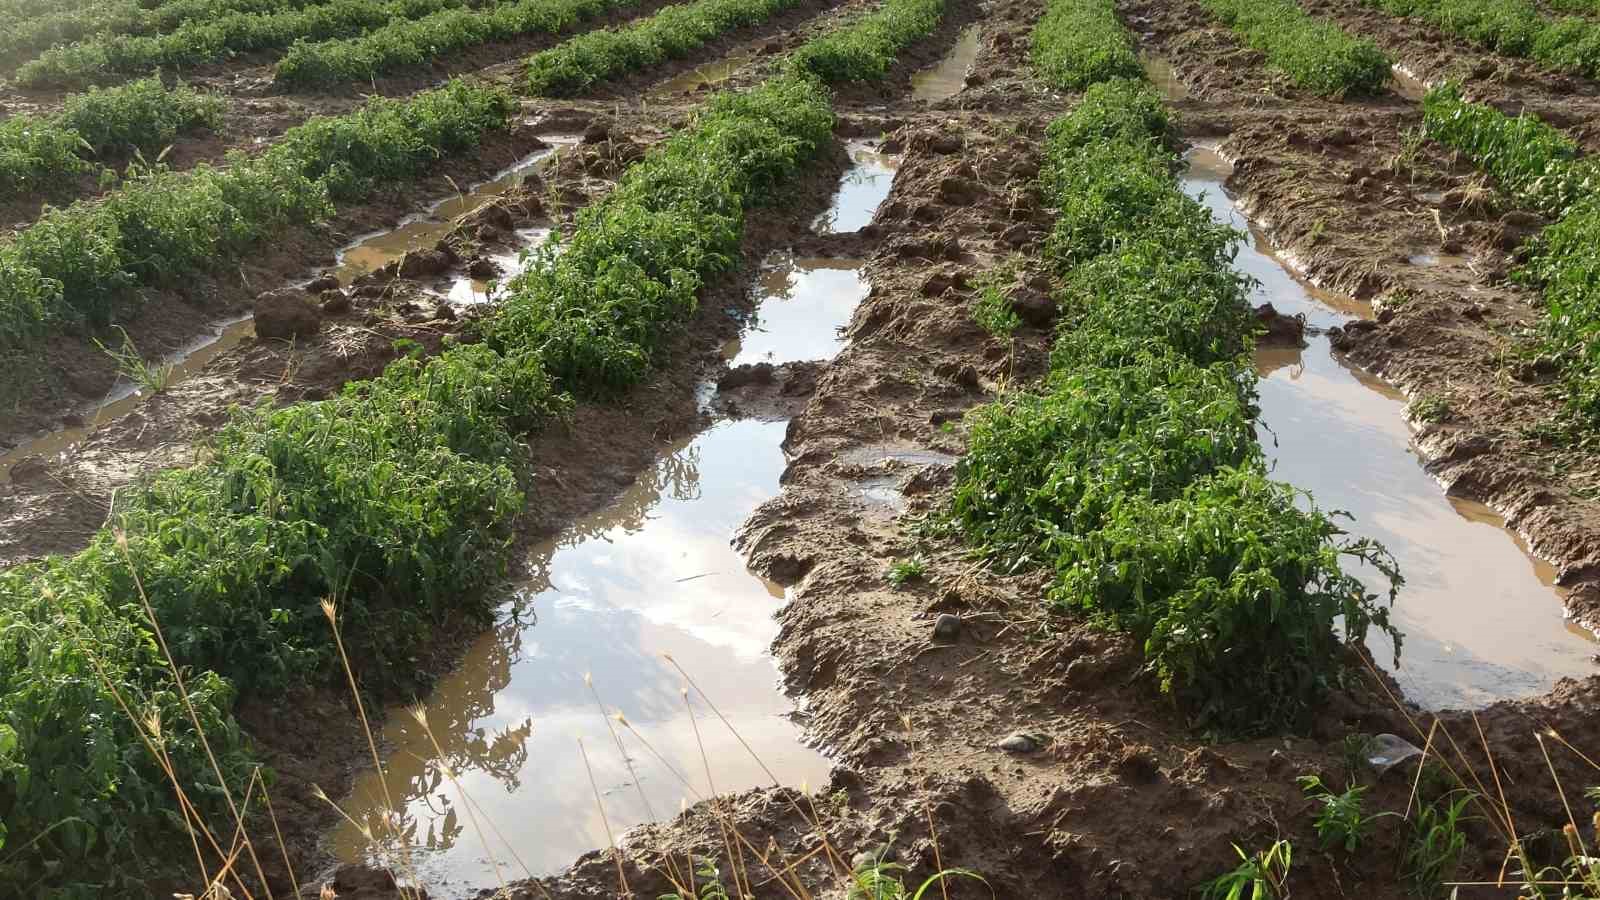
<point>286,314</point>
<point>947,627</point>
<point>327,281</point>
<point>1023,742</point>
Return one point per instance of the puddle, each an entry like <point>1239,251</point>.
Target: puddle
<point>422,231</point>
<point>655,573</point>
<point>1407,84</point>
<point>706,75</point>
<point>125,396</point>
<point>882,492</point>
<point>1431,260</point>
<point>464,290</point>
<point>802,305</point>
<point>1164,77</point>
<point>862,188</point>
<point>1481,619</point>
<point>946,78</point>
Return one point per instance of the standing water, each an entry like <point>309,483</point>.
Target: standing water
<point>654,575</point>
<point>948,76</point>
<point>1481,619</point>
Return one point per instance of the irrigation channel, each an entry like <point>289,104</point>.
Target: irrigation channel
<point>1481,617</point>
<point>654,573</point>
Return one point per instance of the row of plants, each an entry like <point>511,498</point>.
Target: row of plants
<point>1542,167</point>
<point>1077,43</point>
<point>864,50</point>
<point>672,33</point>
<point>29,34</point>
<point>39,152</point>
<point>83,264</point>
<point>1316,55</point>
<point>396,497</point>
<point>403,44</point>
<point>1134,472</point>
<point>1512,27</point>
<point>112,57</point>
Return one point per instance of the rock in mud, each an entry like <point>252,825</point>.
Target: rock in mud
<point>335,303</point>
<point>1281,330</point>
<point>423,263</point>
<point>753,373</point>
<point>29,468</point>
<point>1023,742</point>
<point>327,281</point>
<point>483,268</point>
<point>947,627</point>
<point>363,882</point>
<point>285,315</point>
<point>597,131</point>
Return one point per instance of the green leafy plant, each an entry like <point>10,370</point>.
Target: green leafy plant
<point>907,570</point>
<point>1511,27</point>
<point>405,44</point>
<point>991,304</point>
<point>1263,875</point>
<point>1134,472</point>
<point>673,33</point>
<point>1077,43</point>
<point>863,51</point>
<point>1431,408</point>
<point>1436,842</point>
<point>879,880</point>
<point>152,378</point>
<point>1316,54</point>
<point>1339,821</point>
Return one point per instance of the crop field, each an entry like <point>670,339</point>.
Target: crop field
<point>799,448</point>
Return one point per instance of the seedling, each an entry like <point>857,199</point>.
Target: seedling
<point>1263,875</point>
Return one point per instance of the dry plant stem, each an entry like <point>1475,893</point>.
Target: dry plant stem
<point>927,808</point>
<point>616,853</point>
<point>834,860</point>
<point>331,612</point>
<point>421,715</point>
<point>1417,781</point>
<point>735,859</point>
<point>1562,791</point>
<point>183,692</point>
<point>266,797</point>
<point>627,762</point>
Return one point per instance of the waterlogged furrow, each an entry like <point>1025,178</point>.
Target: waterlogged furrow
<point>1542,167</point>
<point>82,264</point>
<point>1316,55</point>
<point>1134,472</point>
<point>39,152</point>
<point>113,57</point>
<point>396,498</point>
<point>403,44</point>
<point>673,33</point>
<point>1511,27</point>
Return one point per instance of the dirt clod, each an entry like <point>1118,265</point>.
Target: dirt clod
<point>285,315</point>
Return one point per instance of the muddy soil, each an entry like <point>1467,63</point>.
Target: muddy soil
<point>1103,792</point>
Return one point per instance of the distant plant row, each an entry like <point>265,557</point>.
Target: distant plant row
<point>1316,55</point>
<point>114,57</point>
<point>1133,472</point>
<point>39,152</point>
<point>83,264</point>
<point>1511,27</point>
<point>1543,168</point>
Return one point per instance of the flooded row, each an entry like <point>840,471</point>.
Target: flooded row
<point>1481,618</point>
<point>618,601</point>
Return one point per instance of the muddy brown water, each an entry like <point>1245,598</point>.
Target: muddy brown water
<point>705,76</point>
<point>947,77</point>
<point>422,231</point>
<point>1481,617</point>
<point>654,573</point>
<point>126,396</point>
<point>1161,74</point>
